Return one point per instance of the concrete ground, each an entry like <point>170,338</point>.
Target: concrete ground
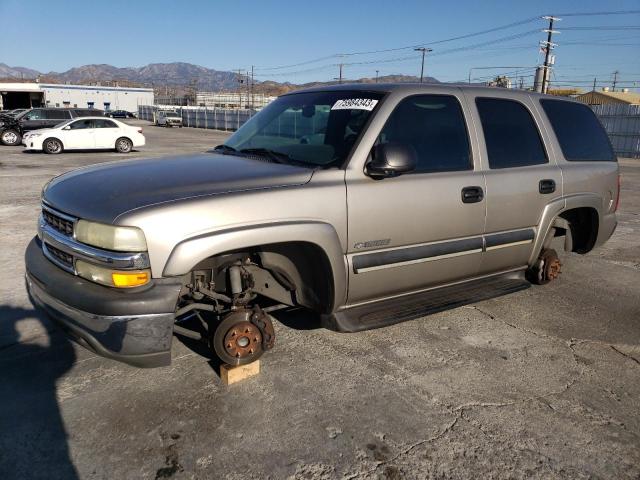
<point>544,383</point>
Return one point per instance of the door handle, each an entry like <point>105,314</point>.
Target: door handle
<point>472,194</point>
<point>546,186</point>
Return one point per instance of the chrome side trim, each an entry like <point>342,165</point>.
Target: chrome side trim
<point>403,256</point>
<point>105,258</point>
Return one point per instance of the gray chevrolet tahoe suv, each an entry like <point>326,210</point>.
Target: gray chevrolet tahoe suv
<point>367,204</point>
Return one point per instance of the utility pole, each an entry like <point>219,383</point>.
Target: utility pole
<point>377,71</point>
<point>547,55</point>
<point>240,80</point>
<point>424,50</point>
<point>615,80</point>
<point>252,82</point>
<point>594,84</point>
<point>340,65</point>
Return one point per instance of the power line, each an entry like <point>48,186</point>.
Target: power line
<point>605,27</point>
<point>590,14</point>
<point>408,47</point>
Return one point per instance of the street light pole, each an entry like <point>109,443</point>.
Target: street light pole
<point>424,50</point>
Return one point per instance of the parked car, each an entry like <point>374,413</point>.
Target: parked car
<point>14,112</point>
<point>120,114</point>
<point>168,118</point>
<point>12,128</point>
<point>85,133</point>
<point>367,204</point>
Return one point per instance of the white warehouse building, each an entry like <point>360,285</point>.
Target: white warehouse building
<point>29,95</point>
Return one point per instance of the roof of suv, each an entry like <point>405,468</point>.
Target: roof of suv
<point>428,87</point>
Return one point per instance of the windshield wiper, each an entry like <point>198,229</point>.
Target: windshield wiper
<point>277,157</point>
<point>224,148</point>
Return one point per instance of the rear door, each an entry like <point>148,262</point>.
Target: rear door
<point>418,230</point>
<point>81,135</point>
<point>55,116</point>
<point>522,177</point>
<point>106,133</point>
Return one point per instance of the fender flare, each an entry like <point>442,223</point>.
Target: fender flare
<point>555,208</point>
<point>188,253</point>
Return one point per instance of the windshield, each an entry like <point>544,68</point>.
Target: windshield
<point>171,114</point>
<point>316,128</point>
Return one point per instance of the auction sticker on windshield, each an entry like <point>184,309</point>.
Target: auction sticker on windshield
<point>355,104</point>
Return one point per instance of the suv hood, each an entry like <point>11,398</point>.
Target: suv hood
<point>103,192</point>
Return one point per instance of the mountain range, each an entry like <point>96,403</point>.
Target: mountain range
<point>177,76</point>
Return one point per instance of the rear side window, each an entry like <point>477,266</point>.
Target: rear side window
<point>511,135</point>
<point>579,132</point>
<point>434,125</point>
<point>58,114</point>
<point>104,124</point>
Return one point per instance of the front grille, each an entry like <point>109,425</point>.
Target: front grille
<point>59,255</point>
<point>60,224</point>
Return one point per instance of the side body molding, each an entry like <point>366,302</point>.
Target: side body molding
<point>189,252</point>
<point>555,208</point>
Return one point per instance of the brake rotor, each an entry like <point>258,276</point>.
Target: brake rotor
<point>237,341</point>
<point>552,268</point>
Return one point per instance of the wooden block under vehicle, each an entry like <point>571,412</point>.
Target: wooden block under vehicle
<point>231,374</point>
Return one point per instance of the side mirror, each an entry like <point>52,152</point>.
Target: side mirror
<point>391,160</point>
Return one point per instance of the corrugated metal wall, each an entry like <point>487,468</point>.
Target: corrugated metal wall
<point>201,117</point>
<point>622,123</point>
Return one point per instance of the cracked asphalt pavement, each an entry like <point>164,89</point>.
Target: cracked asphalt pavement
<point>543,383</point>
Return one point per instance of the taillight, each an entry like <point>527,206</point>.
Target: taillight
<point>618,194</point>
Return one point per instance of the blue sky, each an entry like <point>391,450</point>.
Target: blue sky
<point>230,35</point>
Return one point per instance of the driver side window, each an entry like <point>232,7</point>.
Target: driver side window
<point>434,125</point>
<point>34,115</point>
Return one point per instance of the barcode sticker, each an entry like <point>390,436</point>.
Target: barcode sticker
<point>355,104</point>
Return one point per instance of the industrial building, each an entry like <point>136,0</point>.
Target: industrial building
<point>607,97</point>
<point>243,100</point>
<point>29,95</point>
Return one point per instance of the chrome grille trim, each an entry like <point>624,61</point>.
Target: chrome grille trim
<point>106,258</point>
<point>60,221</point>
<point>60,258</point>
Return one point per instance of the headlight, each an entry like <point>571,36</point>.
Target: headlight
<point>112,278</point>
<point>110,237</point>
<point>33,135</point>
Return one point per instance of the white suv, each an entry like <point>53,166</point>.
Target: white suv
<point>168,118</point>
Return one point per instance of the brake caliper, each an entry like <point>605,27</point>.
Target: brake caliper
<point>264,324</point>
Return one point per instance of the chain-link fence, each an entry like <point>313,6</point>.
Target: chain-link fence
<point>201,117</point>
<point>622,123</point>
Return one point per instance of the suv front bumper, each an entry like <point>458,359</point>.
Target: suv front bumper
<point>131,326</point>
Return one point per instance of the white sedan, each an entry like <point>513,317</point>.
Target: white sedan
<point>85,133</point>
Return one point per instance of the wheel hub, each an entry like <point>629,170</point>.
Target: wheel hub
<point>552,268</point>
<point>242,340</point>
<point>9,137</point>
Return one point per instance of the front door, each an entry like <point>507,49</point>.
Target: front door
<point>81,135</point>
<point>424,228</point>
